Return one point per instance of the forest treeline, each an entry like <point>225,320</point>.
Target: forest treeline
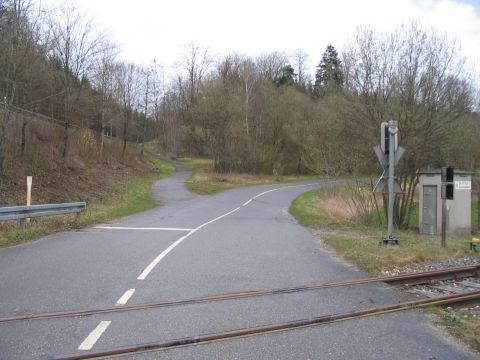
<point>260,114</point>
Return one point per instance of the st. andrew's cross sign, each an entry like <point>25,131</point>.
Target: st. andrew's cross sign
<point>389,146</point>
<point>382,159</point>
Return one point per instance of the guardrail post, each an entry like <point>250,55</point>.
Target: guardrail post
<point>21,224</point>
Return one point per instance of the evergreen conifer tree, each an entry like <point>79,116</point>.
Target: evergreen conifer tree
<point>329,76</point>
<point>287,76</point>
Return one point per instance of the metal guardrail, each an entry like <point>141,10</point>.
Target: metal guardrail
<point>24,212</point>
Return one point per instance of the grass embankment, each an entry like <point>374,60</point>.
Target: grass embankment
<point>131,197</point>
<point>359,244</point>
<point>205,182</point>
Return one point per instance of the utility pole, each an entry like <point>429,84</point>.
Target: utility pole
<point>444,222</point>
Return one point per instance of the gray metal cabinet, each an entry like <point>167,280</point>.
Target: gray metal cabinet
<point>430,204</point>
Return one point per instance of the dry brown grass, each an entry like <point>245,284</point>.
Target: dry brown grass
<point>346,205</point>
<point>337,207</point>
<point>205,181</point>
<point>84,176</point>
<point>360,244</point>
<point>243,177</point>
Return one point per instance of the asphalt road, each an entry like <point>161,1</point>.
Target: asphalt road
<point>193,246</point>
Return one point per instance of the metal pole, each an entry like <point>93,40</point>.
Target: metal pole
<point>391,172</point>
<point>21,224</point>
<point>444,222</point>
<point>392,130</point>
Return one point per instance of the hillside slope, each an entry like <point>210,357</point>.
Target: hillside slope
<point>85,175</point>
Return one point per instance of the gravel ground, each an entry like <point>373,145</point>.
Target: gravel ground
<point>436,288</point>
<point>467,311</point>
<point>431,266</point>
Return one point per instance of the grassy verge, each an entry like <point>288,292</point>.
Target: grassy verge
<point>205,182</point>
<point>358,244</point>
<point>131,197</point>
<point>461,324</point>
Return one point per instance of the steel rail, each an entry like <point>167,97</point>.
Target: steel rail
<point>274,328</point>
<point>411,278</point>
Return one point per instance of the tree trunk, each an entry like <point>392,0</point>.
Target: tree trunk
<point>24,142</point>
<point>65,133</point>
<point>3,137</point>
<point>125,124</point>
<point>144,134</point>
<point>102,137</point>
<point>103,130</point>
<point>65,143</point>
<point>246,110</point>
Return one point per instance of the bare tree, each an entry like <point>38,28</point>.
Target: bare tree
<point>300,61</point>
<point>74,44</point>
<point>103,80</point>
<point>270,66</point>
<point>415,76</point>
<point>157,92</point>
<point>248,78</point>
<point>17,58</point>
<point>196,62</point>
<point>146,75</point>
<point>127,92</point>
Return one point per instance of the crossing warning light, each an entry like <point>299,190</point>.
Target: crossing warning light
<point>447,182</point>
<point>385,138</point>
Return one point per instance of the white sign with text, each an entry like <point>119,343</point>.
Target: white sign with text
<point>463,185</point>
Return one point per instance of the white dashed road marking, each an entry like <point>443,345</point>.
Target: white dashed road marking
<point>247,202</point>
<point>91,339</point>
<point>125,297</point>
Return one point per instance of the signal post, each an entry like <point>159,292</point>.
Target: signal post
<point>389,148</point>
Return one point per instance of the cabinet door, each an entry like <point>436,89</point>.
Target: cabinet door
<point>429,225</point>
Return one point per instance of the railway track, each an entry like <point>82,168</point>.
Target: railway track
<point>275,328</point>
<point>405,280</point>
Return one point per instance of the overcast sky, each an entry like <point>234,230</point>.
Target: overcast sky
<point>147,29</point>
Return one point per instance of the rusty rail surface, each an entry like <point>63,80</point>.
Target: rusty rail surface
<point>268,329</point>
<point>409,279</point>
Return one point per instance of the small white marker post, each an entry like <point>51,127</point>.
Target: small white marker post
<point>29,194</point>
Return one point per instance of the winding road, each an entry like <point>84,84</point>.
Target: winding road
<point>195,246</point>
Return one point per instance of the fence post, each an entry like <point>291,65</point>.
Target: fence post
<point>29,194</point>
